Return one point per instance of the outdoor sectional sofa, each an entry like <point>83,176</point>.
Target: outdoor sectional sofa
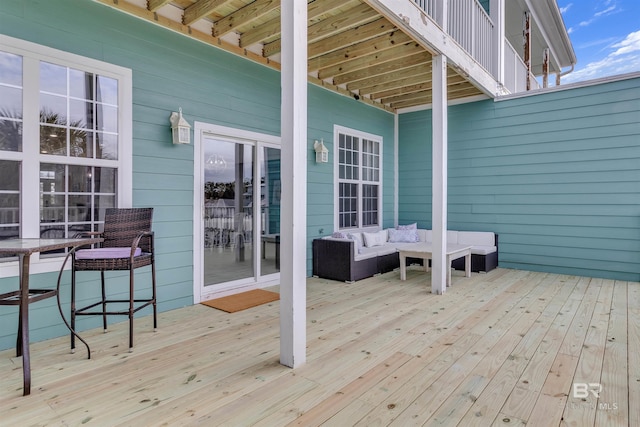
<point>349,258</point>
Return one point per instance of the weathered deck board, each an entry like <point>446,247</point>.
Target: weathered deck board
<point>503,348</point>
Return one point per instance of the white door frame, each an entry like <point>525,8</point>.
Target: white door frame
<point>258,139</point>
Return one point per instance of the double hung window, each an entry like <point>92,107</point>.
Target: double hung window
<point>65,127</point>
<point>359,179</point>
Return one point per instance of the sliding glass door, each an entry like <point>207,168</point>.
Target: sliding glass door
<point>239,232</point>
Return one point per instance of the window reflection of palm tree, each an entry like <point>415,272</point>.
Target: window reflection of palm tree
<point>10,131</point>
<point>53,135</point>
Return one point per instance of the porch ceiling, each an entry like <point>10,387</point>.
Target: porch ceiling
<point>352,48</point>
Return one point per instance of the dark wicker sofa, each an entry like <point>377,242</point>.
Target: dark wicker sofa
<point>337,259</point>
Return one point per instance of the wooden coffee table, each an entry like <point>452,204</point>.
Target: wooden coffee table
<point>424,251</point>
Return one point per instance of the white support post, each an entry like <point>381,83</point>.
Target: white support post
<point>293,217</point>
<point>396,169</point>
<point>496,12</point>
<point>439,178</point>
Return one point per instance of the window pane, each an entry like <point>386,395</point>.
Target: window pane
<point>9,176</point>
<point>100,204</point>
<point>53,109</point>
<point>80,84</point>
<point>370,205</point>
<point>52,208</point>
<point>348,197</point>
<point>81,143</point>
<point>9,199</point>
<point>10,69</point>
<point>106,118</point>
<point>79,209</point>
<point>10,102</point>
<point>10,135</point>
<point>80,179</point>
<point>105,180</point>
<point>52,178</point>
<point>80,114</point>
<point>53,140</point>
<point>107,90</point>
<point>53,78</point>
<point>106,146</point>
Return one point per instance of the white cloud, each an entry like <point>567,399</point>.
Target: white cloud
<point>630,44</point>
<point>607,11</point>
<point>610,10</point>
<point>566,8</point>
<point>624,59</point>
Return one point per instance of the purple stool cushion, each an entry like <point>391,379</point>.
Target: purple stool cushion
<point>106,253</point>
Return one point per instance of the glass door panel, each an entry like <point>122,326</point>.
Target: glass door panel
<point>270,211</point>
<point>228,211</point>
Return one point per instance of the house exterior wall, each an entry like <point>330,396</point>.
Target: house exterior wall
<point>171,71</point>
<point>556,175</point>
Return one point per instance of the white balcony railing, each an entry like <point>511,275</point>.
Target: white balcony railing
<point>515,71</point>
<point>469,25</point>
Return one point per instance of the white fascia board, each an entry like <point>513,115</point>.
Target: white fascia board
<point>549,21</point>
<point>425,31</point>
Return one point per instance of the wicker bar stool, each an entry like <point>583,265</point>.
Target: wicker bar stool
<point>128,245</point>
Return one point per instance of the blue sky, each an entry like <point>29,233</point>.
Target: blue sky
<point>605,36</point>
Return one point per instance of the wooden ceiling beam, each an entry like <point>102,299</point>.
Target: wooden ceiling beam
<point>414,88</point>
<point>405,97</point>
<point>406,73</point>
<point>262,32</point>
<point>350,37</point>
<point>200,9</point>
<point>350,65</point>
<point>153,5</point>
<point>345,92</point>
<point>271,28</point>
<point>344,39</point>
<point>358,50</point>
<point>384,68</point>
<point>331,26</point>
<point>427,99</point>
<point>395,84</point>
<point>242,16</point>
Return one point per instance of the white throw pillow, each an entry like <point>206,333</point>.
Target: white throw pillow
<point>403,236</point>
<point>413,226</point>
<point>357,241</point>
<point>375,239</point>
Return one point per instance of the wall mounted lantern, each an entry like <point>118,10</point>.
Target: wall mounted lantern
<point>322,153</point>
<point>180,128</point>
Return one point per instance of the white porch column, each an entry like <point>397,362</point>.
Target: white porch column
<point>496,12</point>
<point>293,217</point>
<point>439,178</point>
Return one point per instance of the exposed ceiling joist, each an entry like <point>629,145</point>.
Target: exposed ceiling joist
<point>353,48</point>
<point>200,9</point>
<point>243,16</point>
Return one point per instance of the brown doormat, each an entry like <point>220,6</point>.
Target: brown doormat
<point>243,300</point>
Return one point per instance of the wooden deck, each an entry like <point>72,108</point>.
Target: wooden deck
<point>503,348</point>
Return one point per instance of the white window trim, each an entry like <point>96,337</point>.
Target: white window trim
<point>30,185</point>
<point>337,130</point>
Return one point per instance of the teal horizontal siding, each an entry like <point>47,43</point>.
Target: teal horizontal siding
<point>212,86</point>
<point>556,175</point>
<point>325,111</point>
